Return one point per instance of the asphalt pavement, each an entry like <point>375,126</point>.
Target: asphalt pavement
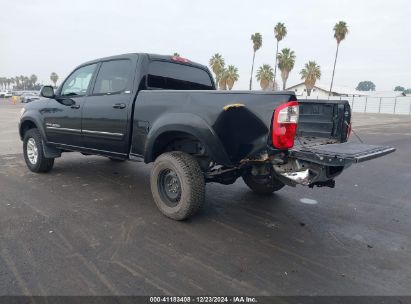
<point>90,227</point>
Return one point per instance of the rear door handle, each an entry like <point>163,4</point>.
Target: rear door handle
<point>75,106</point>
<point>119,106</point>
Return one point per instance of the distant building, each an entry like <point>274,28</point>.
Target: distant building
<point>322,91</point>
<point>384,94</point>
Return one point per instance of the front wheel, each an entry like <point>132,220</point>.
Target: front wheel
<point>34,154</point>
<point>177,184</point>
<point>262,185</point>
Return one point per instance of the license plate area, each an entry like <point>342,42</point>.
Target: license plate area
<point>340,154</point>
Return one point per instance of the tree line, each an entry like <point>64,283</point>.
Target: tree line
<point>284,60</point>
<point>402,89</point>
<point>24,82</point>
<point>20,83</point>
<point>370,86</point>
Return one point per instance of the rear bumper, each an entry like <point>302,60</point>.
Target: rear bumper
<point>300,172</point>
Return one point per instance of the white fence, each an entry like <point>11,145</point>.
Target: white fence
<point>386,105</point>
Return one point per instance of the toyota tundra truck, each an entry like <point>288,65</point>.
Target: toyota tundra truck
<point>166,110</point>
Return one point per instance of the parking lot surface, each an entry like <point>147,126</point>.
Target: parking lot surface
<point>90,227</point>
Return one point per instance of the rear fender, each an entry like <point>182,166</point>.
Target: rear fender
<point>190,124</point>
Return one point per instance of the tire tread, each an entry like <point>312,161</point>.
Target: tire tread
<point>194,178</point>
<point>43,164</point>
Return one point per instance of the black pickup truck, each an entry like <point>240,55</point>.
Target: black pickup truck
<point>166,110</point>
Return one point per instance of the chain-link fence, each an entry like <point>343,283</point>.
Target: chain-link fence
<point>386,105</point>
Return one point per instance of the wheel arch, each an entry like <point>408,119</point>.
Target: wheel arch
<point>30,123</point>
<point>183,125</point>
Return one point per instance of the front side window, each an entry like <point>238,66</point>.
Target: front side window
<point>78,82</point>
<point>174,76</point>
<point>113,77</point>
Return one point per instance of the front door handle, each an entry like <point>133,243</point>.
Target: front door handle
<point>119,106</point>
<point>75,106</point>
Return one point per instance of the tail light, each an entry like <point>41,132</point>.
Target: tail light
<point>285,125</point>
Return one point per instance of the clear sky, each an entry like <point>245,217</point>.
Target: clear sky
<point>47,36</point>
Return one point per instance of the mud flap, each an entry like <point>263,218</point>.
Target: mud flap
<point>50,151</point>
<point>343,154</point>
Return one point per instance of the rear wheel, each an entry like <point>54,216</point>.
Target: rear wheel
<point>34,154</point>
<point>262,185</point>
<point>177,184</point>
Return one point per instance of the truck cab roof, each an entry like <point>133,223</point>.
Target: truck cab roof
<point>169,58</point>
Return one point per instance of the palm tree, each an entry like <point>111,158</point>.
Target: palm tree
<point>17,82</point>
<point>286,60</point>
<point>265,75</point>
<point>310,74</point>
<point>11,81</point>
<point>280,31</point>
<point>6,83</point>
<point>26,82</point>
<point>340,31</point>
<point>54,77</point>
<point>217,65</point>
<point>232,76</point>
<point>257,43</point>
<point>223,80</point>
<point>33,80</point>
<point>22,82</point>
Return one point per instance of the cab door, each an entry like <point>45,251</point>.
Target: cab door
<point>62,115</point>
<point>106,111</point>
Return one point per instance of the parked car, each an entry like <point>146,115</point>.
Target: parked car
<point>166,110</point>
<point>6,94</point>
<point>28,97</point>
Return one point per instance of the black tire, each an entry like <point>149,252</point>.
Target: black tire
<point>33,140</point>
<point>264,186</point>
<point>177,184</point>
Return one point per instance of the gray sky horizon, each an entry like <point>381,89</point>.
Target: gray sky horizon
<point>40,37</point>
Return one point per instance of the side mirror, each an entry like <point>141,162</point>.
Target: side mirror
<point>47,91</point>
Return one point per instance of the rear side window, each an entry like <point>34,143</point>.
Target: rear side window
<point>173,76</point>
<point>113,77</point>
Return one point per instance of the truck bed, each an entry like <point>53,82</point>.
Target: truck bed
<point>239,121</point>
<point>321,120</point>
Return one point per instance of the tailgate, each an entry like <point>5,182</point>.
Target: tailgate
<point>340,154</point>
